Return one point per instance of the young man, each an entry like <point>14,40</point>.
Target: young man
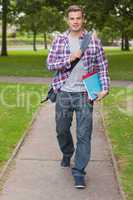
<point>71,93</point>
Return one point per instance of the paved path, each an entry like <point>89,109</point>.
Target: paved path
<point>18,79</point>
<point>36,80</point>
<point>36,173</point>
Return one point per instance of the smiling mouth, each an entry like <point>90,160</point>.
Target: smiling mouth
<point>75,26</point>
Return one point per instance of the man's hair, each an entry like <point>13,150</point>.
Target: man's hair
<point>75,8</point>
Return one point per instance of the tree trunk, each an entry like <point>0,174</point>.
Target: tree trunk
<point>34,41</point>
<point>4,28</point>
<point>45,41</point>
<point>122,41</point>
<point>126,42</point>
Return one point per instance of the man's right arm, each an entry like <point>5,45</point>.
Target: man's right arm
<point>58,59</point>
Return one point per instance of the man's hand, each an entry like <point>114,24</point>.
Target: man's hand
<point>101,95</point>
<point>75,55</point>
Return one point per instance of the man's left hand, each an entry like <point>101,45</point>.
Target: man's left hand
<point>101,95</point>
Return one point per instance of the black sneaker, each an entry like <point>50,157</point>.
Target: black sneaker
<point>79,182</point>
<point>65,161</point>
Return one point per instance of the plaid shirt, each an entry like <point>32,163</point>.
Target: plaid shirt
<point>93,59</point>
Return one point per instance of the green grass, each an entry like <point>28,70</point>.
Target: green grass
<point>25,63</point>
<point>18,103</point>
<point>118,112</point>
<point>29,63</point>
<point>120,64</point>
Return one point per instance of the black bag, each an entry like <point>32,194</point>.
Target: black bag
<point>51,95</point>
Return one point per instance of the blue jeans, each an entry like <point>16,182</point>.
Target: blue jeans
<point>66,104</point>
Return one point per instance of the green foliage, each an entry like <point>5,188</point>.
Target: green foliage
<point>108,36</point>
<point>39,17</point>
<point>51,20</point>
<point>62,5</point>
<point>30,20</point>
<point>44,16</point>
<point>96,13</point>
<point>122,17</point>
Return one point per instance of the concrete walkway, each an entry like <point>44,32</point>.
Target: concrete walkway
<point>42,80</point>
<point>18,79</point>
<point>35,174</point>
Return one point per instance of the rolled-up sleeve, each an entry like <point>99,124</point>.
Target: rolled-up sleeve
<point>57,58</point>
<point>102,63</point>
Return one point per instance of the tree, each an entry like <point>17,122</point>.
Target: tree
<point>51,20</point>
<point>5,4</point>
<point>8,6</point>
<point>118,12</point>
<point>108,35</point>
<point>30,20</point>
<point>95,13</point>
<point>63,5</point>
<point>122,17</point>
<point>39,18</point>
<point>30,23</point>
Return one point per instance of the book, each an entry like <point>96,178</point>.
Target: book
<point>92,84</point>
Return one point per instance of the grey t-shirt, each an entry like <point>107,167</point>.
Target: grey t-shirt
<point>74,82</point>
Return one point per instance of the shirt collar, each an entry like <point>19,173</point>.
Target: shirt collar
<point>84,31</point>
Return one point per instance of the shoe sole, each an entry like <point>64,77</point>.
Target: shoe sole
<point>79,186</point>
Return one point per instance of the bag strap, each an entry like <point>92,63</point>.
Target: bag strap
<point>83,46</point>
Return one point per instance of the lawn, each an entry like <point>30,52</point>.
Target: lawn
<point>29,63</point>
<point>25,63</point>
<point>18,103</point>
<point>120,64</point>
<point>118,112</point>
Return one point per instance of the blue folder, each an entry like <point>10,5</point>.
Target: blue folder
<point>92,84</point>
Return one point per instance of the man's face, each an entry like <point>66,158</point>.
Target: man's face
<point>75,21</point>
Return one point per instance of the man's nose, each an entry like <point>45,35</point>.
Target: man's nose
<point>75,21</point>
